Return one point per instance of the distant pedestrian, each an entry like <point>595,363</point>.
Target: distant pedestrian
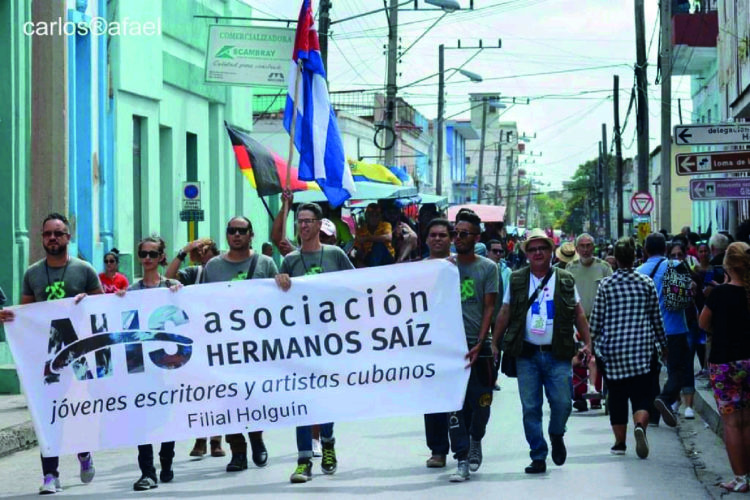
<point>726,316</point>
<point>55,277</point>
<point>626,326</point>
<point>112,279</point>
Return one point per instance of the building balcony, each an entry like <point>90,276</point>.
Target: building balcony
<point>694,41</point>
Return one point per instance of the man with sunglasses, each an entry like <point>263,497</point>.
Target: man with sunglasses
<point>239,263</point>
<point>312,258</point>
<point>479,285</point>
<point>540,309</point>
<point>58,276</point>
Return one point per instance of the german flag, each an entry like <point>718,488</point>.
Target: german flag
<point>264,169</point>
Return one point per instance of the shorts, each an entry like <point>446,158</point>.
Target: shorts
<point>731,385</point>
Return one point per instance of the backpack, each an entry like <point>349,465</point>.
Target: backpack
<point>676,287</point>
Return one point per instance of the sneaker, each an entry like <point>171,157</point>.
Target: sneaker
<point>676,407</point>
<point>580,405</point>
<point>303,472</point>
<point>145,483</point>
<point>87,468</point>
<point>475,454</point>
<point>559,453</point>
<point>689,413</point>
<point>216,450</point>
<point>739,485</point>
<point>50,485</point>
<point>259,452</point>
<point>317,449</point>
<point>329,462</point>
<point>237,463</point>
<point>641,443</point>
<point>436,462</point>
<point>462,472</point>
<point>618,449</point>
<point>199,448</point>
<point>666,412</point>
<point>536,467</point>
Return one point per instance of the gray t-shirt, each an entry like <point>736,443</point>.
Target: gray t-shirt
<point>191,275</point>
<point>326,260</point>
<point>477,280</point>
<point>163,283</point>
<point>220,269</point>
<point>52,283</point>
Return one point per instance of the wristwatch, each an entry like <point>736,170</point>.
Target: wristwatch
<point>182,254</point>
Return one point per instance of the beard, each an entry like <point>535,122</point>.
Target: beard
<point>59,250</point>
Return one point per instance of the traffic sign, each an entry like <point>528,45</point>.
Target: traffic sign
<point>707,163</point>
<point>192,215</point>
<point>191,195</point>
<point>641,203</point>
<point>711,135</point>
<point>720,189</point>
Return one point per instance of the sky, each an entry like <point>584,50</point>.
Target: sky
<point>560,54</point>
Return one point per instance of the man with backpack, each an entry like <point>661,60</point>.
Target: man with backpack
<point>665,273</point>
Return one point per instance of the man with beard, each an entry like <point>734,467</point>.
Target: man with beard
<point>540,309</point>
<point>479,286</point>
<point>588,271</point>
<point>312,258</point>
<point>239,263</point>
<point>58,276</point>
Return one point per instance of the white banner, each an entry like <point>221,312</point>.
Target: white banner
<point>249,55</point>
<point>220,358</point>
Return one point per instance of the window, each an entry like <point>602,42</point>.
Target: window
<point>468,160</point>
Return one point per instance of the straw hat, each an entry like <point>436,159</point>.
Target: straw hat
<point>537,234</point>
<point>566,252</point>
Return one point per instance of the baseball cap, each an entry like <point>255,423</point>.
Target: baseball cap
<point>327,227</point>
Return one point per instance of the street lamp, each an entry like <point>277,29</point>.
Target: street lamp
<point>474,77</point>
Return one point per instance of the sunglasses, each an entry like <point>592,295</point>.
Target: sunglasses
<point>497,250</point>
<point>237,230</point>
<point>58,234</point>
<point>109,261</point>
<point>152,254</point>
<point>537,249</point>
<point>464,234</point>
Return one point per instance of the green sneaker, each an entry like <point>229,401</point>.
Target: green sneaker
<point>329,462</point>
<point>303,472</point>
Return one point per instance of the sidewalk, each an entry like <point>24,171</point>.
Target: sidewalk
<point>16,431</point>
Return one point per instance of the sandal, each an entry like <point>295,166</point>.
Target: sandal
<point>738,484</point>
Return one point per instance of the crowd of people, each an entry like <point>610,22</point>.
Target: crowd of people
<point>577,322</point>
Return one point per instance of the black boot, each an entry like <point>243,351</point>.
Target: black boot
<point>260,454</point>
<point>237,463</point>
<point>166,474</point>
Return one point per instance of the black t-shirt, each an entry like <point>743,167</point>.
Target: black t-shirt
<point>730,318</point>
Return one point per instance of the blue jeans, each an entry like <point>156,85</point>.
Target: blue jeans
<point>304,438</point>
<point>543,370</point>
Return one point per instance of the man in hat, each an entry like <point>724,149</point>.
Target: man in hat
<point>540,309</point>
<point>565,254</point>
<point>588,271</point>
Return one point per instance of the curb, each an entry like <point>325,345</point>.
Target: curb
<point>16,438</point>
<point>706,408</point>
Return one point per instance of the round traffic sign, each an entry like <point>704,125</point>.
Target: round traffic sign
<point>641,203</point>
<point>191,191</point>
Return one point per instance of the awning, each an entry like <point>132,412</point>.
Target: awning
<point>366,192</point>
<point>440,201</point>
<point>488,213</point>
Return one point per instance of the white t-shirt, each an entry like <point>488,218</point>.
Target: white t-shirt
<point>545,303</point>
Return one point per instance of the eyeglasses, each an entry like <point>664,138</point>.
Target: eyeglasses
<point>537,249</point>
<point>464,234</point>
<point>109,261</point>
<point>58,234</point>
<point>152,254</point>
<point>304,222</point>
<point>237,230</point>
<point>438,235</point>
<point>497,250</point>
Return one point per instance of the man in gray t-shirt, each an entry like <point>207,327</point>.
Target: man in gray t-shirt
<point>328,258</point>
<point>478,279</point>
<point>221,268</point>
<point>43,281</point>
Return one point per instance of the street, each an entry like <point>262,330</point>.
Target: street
<point>385,459</point>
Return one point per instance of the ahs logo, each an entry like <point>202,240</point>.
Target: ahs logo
<point>65,348</point>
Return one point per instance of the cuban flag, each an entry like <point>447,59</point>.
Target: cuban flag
<point>316,133</point>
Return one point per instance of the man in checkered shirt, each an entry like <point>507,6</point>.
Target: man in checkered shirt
<point>626,324</point>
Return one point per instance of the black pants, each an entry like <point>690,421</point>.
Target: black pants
<point>50,464</point>
<point>237,443</point>
<point>146,457</point>
<point>636,389</point>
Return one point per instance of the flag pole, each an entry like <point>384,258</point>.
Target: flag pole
<point>293,126</point>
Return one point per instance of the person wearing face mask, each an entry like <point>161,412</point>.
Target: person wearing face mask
<point>588,271</point>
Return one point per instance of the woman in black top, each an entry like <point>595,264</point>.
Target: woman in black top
<point>726,316</point>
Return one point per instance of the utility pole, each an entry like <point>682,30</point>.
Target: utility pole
<point>390,102</point>
<point>497,165</point>
<point>509,173</point>
<point>441,112</point>
<point>600,190</point>
<point>481,150</point>
<point>325,24</point>
<point>618,153</point>
<point>665,207</point>
<point>605,178</point>
<point>642,103</point>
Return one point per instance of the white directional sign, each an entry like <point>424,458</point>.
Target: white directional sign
<point>711,135</point>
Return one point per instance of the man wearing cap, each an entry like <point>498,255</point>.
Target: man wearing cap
<point>565,254</point>
<point>540,309</point>
<point>588,271</point>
